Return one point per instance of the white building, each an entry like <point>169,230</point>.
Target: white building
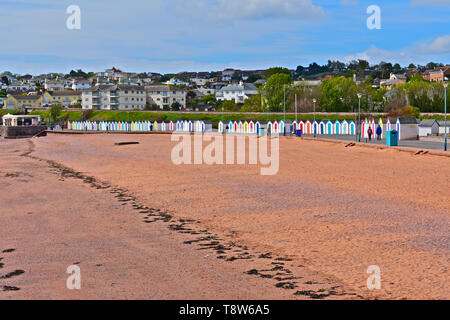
<point>164,95</point>
<point>54,85</point>
<point>176,82</point>
<point>237,93</point>
<point>200,81</point>
<point>115,97</point>
<point>428,127</point>
<point>80,84</point>
<point>20,86</point>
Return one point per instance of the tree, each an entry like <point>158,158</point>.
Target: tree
<point>338,94</point>
<point>363,65</point>
<point>411,66</point>
<point>275,90</point>
<point>276,70</point>
<point>176,106</point>
<point>386,69</point>
<point>5,80</point>
<point>229,105</point>
<point>253,78</point>
<point>54,112</point>
<point>396,68</point>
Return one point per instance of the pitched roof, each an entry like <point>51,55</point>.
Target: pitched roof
<point>408,120</point>
<point>64,93</point>
<point>31,97</point>
<point>427,123</point>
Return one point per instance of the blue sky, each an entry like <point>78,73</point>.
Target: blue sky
<point>204,35</point>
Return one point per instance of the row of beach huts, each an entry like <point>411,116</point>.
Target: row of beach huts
<point>408,127</point>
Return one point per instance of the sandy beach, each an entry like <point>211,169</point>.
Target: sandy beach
<point>140,227</point>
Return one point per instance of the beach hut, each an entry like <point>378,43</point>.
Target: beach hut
<point>295,126</point>
<point>301,126</point>
<point>235,127</point>
<point>269,128</point>
<point>352,128</point>
<point>282,127</point>
<point>408,128</point>
<point>442,126</point>
<point>330,127</point>
<point>276,127</point>
<point>240,127</point>
<point>388,125</point>
<point>344,127</point>
<point>257,127</point>
<point>428,127</point>
<point>230,127</point>
<point>337,127</point>
<point>322,128</point>
<point>220,127</point>
<point>373,125</point>
<point>315,128</point>
<point>246,130</point>
<point>251,127</point>
<point>308,127</point>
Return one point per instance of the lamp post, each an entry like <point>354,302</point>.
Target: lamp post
<point>314,123</point>
<point>359,116</point>
<point>284,101</point>
<point>445,122</point>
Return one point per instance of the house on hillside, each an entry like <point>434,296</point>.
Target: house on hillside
<point>393,81</point>
<point>237,93</point>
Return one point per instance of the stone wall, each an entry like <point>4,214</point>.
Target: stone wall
<point>24,131</point>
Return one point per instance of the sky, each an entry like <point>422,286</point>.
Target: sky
<point>203,35</point>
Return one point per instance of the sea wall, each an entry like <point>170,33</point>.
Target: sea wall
<point>21,131</point>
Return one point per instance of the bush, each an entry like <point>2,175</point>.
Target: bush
<point>409,111</point>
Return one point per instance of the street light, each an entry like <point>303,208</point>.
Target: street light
<point>445,122</point>
<point>359,116</point>
<point>314,123</point>
<point>284,87</point>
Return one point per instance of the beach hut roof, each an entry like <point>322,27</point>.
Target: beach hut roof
<point>408,120</point>
<point>441,123</point>
<point>427,123</point>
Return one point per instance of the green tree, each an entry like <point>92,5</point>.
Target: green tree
<point>276,87</point>
<point>228,105</point>
<point>270,72</point>
<point>54,112</point>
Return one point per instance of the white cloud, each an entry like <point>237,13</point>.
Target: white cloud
<point>437,49</point>
<point>439,45</point>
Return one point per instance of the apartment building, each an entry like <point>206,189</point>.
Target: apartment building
<point>16,102</point>
<point>164,96</point>
<point>63,98</point>
<point>114,97</point>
